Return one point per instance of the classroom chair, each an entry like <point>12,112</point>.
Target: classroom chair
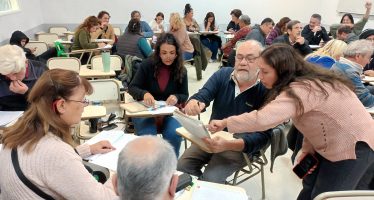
<point>48,38</point>
<point>346,195</point>
<point>115,62</point>
<point>59,30</point>
<point>68,63</point>
<point>40,46</point>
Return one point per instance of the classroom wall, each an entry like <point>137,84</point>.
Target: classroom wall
<point>29,18</point>
<point>38,15</point>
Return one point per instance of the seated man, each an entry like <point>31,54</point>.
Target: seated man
<point>145,29</point>
<point>356,56</point>
<point>234,91</point>
<point>294,38</point>
<point>17,76</point>
<point>345,34</point>
<point>259,32</point>
<point>314,32</point>
<point>145,170</point>
<point>20,39</point>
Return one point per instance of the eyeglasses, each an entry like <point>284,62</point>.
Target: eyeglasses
<point>370,39</point>
<point>249,59</point>
<point>85,101</point>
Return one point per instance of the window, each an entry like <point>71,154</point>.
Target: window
<point>8,6</point>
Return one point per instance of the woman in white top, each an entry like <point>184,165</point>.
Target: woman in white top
<point>157,25</point>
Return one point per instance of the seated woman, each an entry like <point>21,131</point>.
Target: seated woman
<point>41,140</point>
<point>82,37</point>
<point>132,42</point>
<point>105,30</point>
<point>233,26</point>
<point>279,29</point>
<point>161,77</point>
<point>157,24</point>
<point>17,76</point>
<point>189,21</point>
<point>347,20</point>
<point>178,29</point>
<point>327,55</point>
<point>20,39</point>
<point>212,41</point>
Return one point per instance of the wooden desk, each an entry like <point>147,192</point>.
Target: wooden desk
<point>90,73</point>
<point>93,112</point>
<point>368,79</point>
<point>227,190</point>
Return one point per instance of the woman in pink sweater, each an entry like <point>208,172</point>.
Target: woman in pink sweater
<point>336,127</point>
<point>42,140</point>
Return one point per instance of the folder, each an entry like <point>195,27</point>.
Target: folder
<point>194,130</point>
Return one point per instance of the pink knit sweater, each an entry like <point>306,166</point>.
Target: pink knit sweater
<point>55,168</point>
<point>331,126</point>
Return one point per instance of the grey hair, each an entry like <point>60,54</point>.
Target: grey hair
<point>245,19</point>
<point>12,59</point>
<point>252,42</point>
<point>145,175</point>
<point>360,47</point>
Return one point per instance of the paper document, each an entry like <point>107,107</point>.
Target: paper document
<point>194,126</point>
<point>139,107</point>
<point>118,139</point>
<point>7,117</point>
<point>207,191</point>
<point>370,110</point>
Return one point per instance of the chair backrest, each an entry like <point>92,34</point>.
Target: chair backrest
<point>104,90</point>
<point>48,38</point>
<point>117,31</point>
<point>70,63</point>
<point>59,30</point>
<point>346,195</point>
<point>41,47</point>
<point>115,62</point>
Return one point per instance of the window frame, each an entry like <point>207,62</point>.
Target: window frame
<point>14,8</point>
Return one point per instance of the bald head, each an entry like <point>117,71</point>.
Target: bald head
<point>145,168</point>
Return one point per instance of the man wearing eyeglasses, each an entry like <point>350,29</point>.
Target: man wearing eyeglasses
<point>234,91</point>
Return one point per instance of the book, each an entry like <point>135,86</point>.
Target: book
<point>194,130</point>
<point>118,139</point>
<point>9,117</point>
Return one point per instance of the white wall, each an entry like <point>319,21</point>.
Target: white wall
<point>38,12</point>
<point>29,17</point>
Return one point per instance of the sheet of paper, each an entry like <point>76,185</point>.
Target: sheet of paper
<point>370,110</point>
<point>193,126</point>
<point>206,191</point>
<point>118,139</point>
<point>7,117</point>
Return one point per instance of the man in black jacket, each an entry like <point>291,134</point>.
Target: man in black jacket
<point>294,38</point>
<point>314,32</point>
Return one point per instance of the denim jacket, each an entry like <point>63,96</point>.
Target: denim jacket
<point>353,71</point>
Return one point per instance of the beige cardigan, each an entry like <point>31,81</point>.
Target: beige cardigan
<point>54,167</point>
<point>330,126</point>
<point>109,34</point>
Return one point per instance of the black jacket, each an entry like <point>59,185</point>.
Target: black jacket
<point>303,49</point>
<point>315,39</point>
<point>16,38</point>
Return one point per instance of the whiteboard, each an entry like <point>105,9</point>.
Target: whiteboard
<point>353,6</point>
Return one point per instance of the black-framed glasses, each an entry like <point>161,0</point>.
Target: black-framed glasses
<point>85,101</point>
<point>249,59</point>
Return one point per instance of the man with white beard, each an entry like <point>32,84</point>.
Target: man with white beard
<point>234,91</point>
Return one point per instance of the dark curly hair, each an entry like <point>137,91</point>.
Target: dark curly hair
<point>187,9</point>
<point>177,67</point>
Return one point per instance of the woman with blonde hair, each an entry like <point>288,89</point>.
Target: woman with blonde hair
<point>38,147</point>
<point>327,55</point>
<point>178,29</point>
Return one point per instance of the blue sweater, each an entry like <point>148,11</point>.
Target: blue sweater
<point>353,73</point>
<point>221,88</point>
<point>324,61</point>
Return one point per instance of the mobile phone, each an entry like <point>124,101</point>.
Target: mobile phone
<point>184,180</point>
<point>307,163</point>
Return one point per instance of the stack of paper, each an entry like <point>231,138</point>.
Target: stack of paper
<point>194,126</point>
<point>118,139</point>
<point>7,117</point>
<point>206,191</point>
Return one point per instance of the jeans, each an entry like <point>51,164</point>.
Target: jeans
<point>351,174</point>
<point>147,126</point>
<point>219,165</point>
<point>212,46</point>
<point>187,55</point>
